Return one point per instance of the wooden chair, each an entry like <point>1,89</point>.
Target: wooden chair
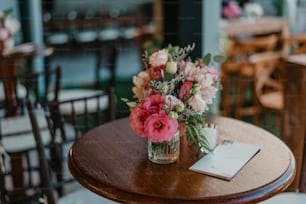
<point>296,43</point>
<point>235,72</point>
<point>54,179</point>
<point>16,138</point>
<point>268,86</point>
<point>246,72</point>
<point>65,94</point>
<point>229,73</point>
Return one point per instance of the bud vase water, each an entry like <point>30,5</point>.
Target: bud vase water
<point>164,152</point>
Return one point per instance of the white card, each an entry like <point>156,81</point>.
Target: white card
<point>226,160</point>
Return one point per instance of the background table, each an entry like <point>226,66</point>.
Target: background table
<point>112,161</point>
<point>261,26</point>
<point>9,62</point>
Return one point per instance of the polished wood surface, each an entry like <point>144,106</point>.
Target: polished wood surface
<point>9,62</point>
<point>294,127</point>
<point>111,160</point>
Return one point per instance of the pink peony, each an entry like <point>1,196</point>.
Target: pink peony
<point>150,105</point>
<point>137,119</point>
<point>159,128</point>
<point>158,58</point>
<point>153,104</point>
<point>185,90</point>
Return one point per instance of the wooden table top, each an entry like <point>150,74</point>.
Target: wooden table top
<point>111,160</point>
<point>263,25</point>
<point>297,59</point>
<point>26,50</point>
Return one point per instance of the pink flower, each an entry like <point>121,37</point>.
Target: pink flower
<point>158,58</point>
<point>212,71</point>
<point>197,103</point>
<point>137,119</point>
<point>171,102</point>
<point>232,10</point>
<point>159,128</point>
<point>140,89</point>
<point>153,104</point>
<point>185,90</point>
<point>4,34</point>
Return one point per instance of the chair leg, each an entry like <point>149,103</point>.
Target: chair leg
<point>225,95</point>
<point>241,87</point>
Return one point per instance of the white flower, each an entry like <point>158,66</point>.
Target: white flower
<point>11,24</point>
<point>171,67</point>
<point>158,58</point>
<point>208,94</point>
<point>197,103</point>
<point>253,10</point>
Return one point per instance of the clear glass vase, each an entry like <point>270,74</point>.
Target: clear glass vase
<point>164,152</point>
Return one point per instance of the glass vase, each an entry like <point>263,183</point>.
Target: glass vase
<point>164,152</point>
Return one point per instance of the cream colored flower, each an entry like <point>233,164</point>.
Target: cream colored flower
<point>158,58</point>
<point>141,81</point>
<point>197,103</point>
<point>11,24</point>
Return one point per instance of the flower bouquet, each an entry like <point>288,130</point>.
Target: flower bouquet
<point>231,10</point>
<point>8,27</point>
<point>172,95</point>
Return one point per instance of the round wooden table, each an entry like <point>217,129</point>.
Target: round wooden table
<point>111,160</point>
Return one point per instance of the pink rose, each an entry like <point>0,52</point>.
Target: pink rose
<point>185,90</point>
<point>159,128</point>
<point>158,58</point>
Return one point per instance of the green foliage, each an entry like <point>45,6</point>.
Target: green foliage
<point>193,124</point>
<point>206,59</point>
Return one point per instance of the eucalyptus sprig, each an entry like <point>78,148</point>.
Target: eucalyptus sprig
<point>216,58</point>
<point>182,53</point>
<point>193,125</point>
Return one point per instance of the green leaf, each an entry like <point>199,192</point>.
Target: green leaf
<point>167,76</point>
<point>8,11</point>
<point>124,100</point>
<point>219,58</point>
<point>207,58</point>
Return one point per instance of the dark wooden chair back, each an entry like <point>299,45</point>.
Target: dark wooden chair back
<point>38,86</point>
<point>21,177</point>
<point>296,43</point>
<point>84,114</point>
